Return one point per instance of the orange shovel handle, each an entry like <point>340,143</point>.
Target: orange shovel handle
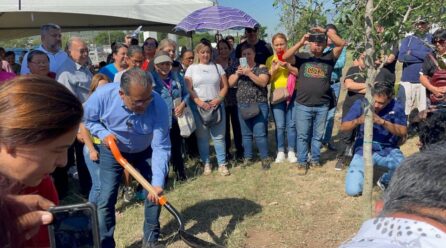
<point>135,174</point>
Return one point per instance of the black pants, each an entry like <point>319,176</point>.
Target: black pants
<point>60,175</point>
<point>176,157</point>
<point>232,116</point>
<point>191,147</point>
<point>347,137</point>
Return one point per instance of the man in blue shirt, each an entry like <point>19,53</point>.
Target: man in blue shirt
<point>413,50</point>
<point>388,128</point>
<point>138,120</point>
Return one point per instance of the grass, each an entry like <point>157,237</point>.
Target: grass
<point>255,208</point>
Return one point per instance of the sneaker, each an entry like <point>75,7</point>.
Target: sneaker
<point>340,163</point>
<point>315,164</point>
<point>292,157</point>
<point>280,157</point>
<point>331,147</point>
<point>207,169</point>
<point>128,194</point>
<point>302,166</point>
<point>223,170</point>
<point>383,186</point>
<point>266,163</point>
<point>246,162</point>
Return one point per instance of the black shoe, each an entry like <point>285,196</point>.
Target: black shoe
<point>340,163</point>
<point>152,244</point>
<point>266,164</point>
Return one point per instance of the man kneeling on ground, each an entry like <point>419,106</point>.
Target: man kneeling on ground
<point>389,126</point>
<point>413,208</point>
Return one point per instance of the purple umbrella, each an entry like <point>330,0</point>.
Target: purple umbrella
<point>216,18</point>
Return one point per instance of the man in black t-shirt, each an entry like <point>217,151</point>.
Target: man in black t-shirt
<point>313,94</point>
<point>354,82</point>
<point>263,50</point>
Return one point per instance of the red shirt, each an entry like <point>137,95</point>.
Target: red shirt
<point>47,190</point>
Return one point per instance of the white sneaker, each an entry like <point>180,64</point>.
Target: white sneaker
<point>292,157</point>
<point>223,170</point>
<point>280,157</point>
<point>207,169</point>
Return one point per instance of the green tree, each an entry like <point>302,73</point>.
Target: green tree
<point>262,32</point>
<point>396,17</point>
<point>298,16</point>
<point>108,37</point>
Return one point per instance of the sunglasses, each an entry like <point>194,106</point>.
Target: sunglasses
<point>250,30</point>
<point>441,42</point>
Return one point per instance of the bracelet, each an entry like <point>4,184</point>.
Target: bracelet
<point>221,98</point>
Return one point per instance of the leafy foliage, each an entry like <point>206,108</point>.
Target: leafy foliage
<point>108,37</point>
<point>298,16</point>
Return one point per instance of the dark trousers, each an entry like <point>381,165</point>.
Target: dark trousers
<point>75,157</point>
<point>191,147</point>
<point>176,155</point>
<point>232,117</point>
<point>347,137</point>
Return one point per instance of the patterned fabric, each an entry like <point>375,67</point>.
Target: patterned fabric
<point>248,91</point>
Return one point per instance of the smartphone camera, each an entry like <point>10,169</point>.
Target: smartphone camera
<point>317,37</point>
<point>243,62</point>
<point>74,226</point>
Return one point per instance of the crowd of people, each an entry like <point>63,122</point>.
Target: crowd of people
<point>151,101</point>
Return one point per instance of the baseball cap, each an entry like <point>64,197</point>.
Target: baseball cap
<point>161,57</point>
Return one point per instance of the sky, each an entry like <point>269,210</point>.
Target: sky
<point>262,11</point>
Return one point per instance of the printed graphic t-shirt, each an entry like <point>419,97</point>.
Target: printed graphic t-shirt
<point>313,81</point>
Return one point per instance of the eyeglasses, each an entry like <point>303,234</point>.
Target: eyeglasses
<point>83,50</point>
<point>439,41</point>
<point>140,102</point>
<point>151,45</point>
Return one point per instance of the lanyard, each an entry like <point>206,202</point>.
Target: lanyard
<point>168,86</point>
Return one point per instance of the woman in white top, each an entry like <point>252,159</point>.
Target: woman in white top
<point>208,85</point>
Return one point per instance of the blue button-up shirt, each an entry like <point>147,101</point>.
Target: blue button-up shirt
<point>105,114</point>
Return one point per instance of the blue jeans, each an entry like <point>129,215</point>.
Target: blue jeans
<point>354,179</point>
<point>284,120</point>
<point>330,116</point>
<point>110,174</point>
<point>255,127</point>
<point>310,122</point>
<point>217,133</point>
<point>93,168</point>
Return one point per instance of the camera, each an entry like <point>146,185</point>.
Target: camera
<point>317,37</point>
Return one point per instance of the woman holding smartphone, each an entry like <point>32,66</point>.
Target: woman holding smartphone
<point>34,139</point>
<point>230,66</point>
<point>279,71</point>
<point>252,80</point>
<point>208,86</point>
<point>170,85</point>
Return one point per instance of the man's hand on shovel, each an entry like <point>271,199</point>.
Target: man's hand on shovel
<point>154,198</point>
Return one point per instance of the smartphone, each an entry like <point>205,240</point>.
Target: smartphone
<point>243,62</point>
<point>317,37</point>
<point>74,226</point>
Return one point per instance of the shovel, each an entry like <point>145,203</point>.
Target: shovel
<point>188,238</point>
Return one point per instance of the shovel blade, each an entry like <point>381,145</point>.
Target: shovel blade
<point>195,242</point>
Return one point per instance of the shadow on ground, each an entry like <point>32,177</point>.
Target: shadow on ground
<point>205,213</point>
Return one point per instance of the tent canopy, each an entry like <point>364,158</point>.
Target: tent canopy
<point>21,18</point>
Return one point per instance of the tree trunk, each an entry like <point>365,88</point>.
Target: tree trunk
<point>368,111</point>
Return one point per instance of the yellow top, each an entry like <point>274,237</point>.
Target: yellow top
<point>280,77</point>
